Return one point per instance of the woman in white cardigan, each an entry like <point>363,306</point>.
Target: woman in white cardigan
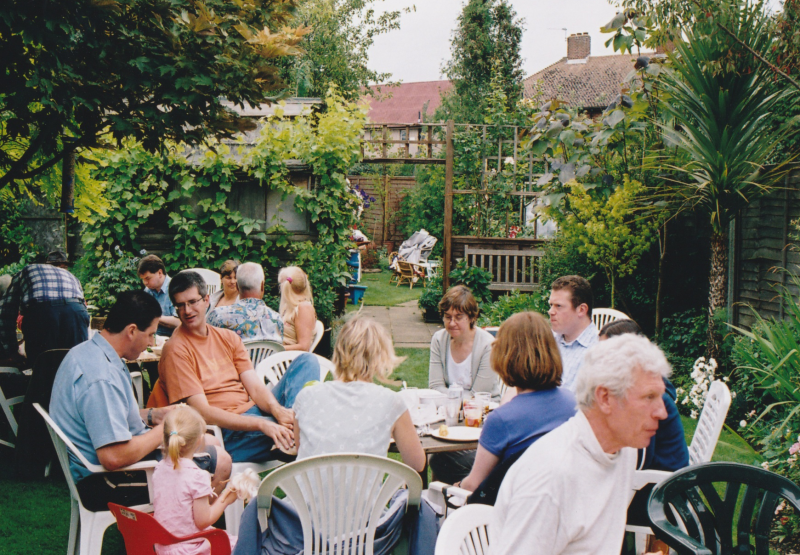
<point>460,355</point>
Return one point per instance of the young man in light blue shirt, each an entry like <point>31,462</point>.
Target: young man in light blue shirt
<point>154,276</point>
<point>570,313</point>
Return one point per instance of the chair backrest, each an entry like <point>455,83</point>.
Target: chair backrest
<point>603,316</point>
<point>709,425</point>
<point>259,350</point>
<point>737,521</point>
<point>465,532</point>
<point>63,445</point>
<point>272,368</point>
<point>142,531</point>
<point>363,486</point>
<point>212,278</point>
<point>319,331</point>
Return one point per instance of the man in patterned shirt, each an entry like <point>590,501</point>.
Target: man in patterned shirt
<point>570,313</point>
<point>50,300</point>
<point>249,317</point>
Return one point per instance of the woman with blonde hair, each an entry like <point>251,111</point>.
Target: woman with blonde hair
<point>229,292</point>
<point>297,309</point>
<point>525,356</point>
<point>181,491</point>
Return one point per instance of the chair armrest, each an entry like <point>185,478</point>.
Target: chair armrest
<point>220,544</point>
<point>9,370</point>
<point>136,379</point>
<point>643,477</point>
<point>678,540</point>
<point>446,495</point>
<point>216,431</point>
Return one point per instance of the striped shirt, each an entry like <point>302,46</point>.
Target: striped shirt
<point>36,282</point>
<point>572,354</point>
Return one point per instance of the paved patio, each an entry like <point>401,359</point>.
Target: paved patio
<point>406,324</point>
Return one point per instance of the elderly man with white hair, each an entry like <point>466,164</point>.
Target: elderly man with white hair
<point>249,317</point>
<point>569,492</point>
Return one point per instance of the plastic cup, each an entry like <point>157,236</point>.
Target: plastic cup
<point>451,408</point>
<point>473,413</point>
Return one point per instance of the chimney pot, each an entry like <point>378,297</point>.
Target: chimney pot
<point>579,46</point>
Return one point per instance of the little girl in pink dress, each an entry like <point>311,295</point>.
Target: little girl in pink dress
<point>182,491</point>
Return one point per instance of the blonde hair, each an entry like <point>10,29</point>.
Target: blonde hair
<point>364,351</point>
<point>295,289</point>
<point>525,355</point>
<point>183,428</point>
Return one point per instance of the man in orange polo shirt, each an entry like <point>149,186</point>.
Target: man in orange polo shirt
<point>209,369</point>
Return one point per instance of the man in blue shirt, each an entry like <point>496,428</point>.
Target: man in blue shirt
<point>570,313</point>
<point>154,276</point>
<point>94,406</point>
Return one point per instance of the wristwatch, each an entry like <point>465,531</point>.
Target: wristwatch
<point>150,418</point>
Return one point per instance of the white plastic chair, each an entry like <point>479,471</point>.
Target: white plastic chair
<point>212,278</point>
<point>466,532</point>
<point>362,484</point>
<point>603,316</point>
<point>92,524</point>
<point>272,368</point>
<point>319,330</point>
<point>259,350</point>
<point>7,402</point>
<point>704,442</point>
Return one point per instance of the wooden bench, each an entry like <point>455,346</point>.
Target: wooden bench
<point>511,269</point>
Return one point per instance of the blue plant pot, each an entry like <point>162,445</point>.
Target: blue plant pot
<point>357,293</point>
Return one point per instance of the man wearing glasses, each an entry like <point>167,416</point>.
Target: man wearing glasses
<point>209,369</point>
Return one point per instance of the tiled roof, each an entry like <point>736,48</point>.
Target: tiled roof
<point>403,103</point>
<point>590,85</point>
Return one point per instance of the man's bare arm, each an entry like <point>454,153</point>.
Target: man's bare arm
<point>118,455</point>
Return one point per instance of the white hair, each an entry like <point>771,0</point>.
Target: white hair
<point>249,277</point>
<point>611,363</point>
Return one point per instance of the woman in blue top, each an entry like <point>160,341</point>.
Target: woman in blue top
<point>525,356</point>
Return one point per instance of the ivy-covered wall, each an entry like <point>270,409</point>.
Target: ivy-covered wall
<point>198,204</point>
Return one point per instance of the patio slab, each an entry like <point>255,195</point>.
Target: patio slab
<point>405,324</point>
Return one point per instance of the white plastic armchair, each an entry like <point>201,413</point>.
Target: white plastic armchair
<point>7,402</point>
<point>212,278</point>
<point>362,486</point>
<point>603,316</point>
<point>272,368</point>
<point>466,532</point>
<point>92,524</point>
<point>259,350</point>
<point>319,330</point>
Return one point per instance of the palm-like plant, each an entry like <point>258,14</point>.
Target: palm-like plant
<point>722,100</point>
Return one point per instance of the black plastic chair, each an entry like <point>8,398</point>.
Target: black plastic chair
<point>738,522</point>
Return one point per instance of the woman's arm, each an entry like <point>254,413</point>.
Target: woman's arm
<point>207,513</point>
<point>436,366</point>
<point>304,324</point>
<point>407,440</point>
<point>481,468</point>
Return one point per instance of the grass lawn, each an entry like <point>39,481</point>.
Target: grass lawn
<point>381,293</point>
<point>36,514</point>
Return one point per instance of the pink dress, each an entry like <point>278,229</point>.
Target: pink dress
<point>174,491</point>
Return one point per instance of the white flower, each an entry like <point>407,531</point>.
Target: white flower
<point>780,507</point>
<point>509,160</point>
<point>733,395</point>
<point>765,465</point>
<point>694,414</point>
<point>743,423</point>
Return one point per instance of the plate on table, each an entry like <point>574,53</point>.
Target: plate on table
<point>458,433</point>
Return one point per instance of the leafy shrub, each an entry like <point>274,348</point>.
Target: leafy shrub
<point>499,311</point>
<point>116,274</point>
<point>477,279</point>
<point>431,295</point>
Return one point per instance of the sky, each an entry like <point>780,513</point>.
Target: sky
<point>418,49</point>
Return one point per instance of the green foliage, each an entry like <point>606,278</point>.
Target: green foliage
<point>15,239</point>
<point>683,340</point>
<point>190,200</point>
<point>150,71</point>
<point>488,34</point>
<point>475,278</point>
<point>429,300</point>
<point>336,51</point>
<point>494,314</point>
<point>608,231</point>
<point>117,274</point>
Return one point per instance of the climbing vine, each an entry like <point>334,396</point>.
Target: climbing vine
<point>184,194</point>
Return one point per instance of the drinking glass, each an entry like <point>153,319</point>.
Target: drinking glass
<point>451,407</point>
<point>473,413</point>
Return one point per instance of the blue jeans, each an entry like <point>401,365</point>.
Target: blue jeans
<point>254,446</point>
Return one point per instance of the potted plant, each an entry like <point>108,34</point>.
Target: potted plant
<point>429,301</point>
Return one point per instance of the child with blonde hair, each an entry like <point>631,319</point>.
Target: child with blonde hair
<point>182,491</point>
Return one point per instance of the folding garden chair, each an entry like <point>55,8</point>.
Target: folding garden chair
<point>319,331</point>
<point>259,350</point>
<point>272,368</point>
<point>409,273</point>
<point>466,532</point>
<point>720,508</point>
<point>212,278</point>
<point>603,316</point>
<point>141,532</point>
<point>7,402</point>
<point>348,517</point>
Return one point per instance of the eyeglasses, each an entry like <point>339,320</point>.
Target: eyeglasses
<point>181,306</point>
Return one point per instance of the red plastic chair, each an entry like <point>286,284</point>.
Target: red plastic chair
<point>141,531</point>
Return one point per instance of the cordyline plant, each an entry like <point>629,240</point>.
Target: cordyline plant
<point>722,121</point>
